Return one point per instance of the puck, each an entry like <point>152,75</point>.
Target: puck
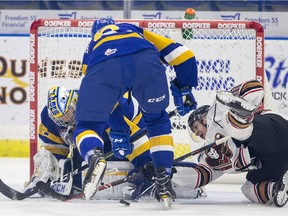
<point>124,202</point>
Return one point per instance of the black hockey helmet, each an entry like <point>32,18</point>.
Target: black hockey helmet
<point>197,115</point>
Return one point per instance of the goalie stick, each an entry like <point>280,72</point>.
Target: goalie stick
<point>16,195</point>
<point>45,187</point>
<point>53,194</point>
<point>41,187</point>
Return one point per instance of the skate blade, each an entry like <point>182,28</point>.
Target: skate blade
<point>167,201</point>
<point>90,188</point>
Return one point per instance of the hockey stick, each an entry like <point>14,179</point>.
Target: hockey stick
<point>44,187</point>
<point>51,193</point>
<point>16,195</point>
<point>202,149</point>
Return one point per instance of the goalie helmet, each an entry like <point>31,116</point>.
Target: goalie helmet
<point>98,24</point>
<point>198,115</point>
<point>62,105</point>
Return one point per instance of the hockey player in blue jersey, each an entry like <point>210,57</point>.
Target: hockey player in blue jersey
<point>56,131</point>
<point>124,57</point>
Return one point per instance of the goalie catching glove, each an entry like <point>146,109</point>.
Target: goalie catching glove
<point>45,169</point>
<point>48,169</point>
<point>183,98</point>
<point>121,144</point>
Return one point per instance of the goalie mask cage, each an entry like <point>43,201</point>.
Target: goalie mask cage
<point>227,53</point>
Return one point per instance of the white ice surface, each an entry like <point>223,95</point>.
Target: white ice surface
<point>221,200</point>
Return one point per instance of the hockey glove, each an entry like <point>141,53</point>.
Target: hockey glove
<point>121,143</point>
<point>45,169</point>
<point>183,98</point>
<point>143,185</point>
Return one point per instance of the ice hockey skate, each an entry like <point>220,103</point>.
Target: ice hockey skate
<point>280,191</point>
<point>238,105</point>
<point>95,173</point>
<point>164,187</point>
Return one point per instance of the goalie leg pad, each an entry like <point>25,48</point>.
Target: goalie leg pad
<point>119,191</point>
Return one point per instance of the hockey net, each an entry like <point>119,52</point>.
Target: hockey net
<point>227,52</point>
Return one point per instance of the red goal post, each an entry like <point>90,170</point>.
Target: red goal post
<point>227,52</point>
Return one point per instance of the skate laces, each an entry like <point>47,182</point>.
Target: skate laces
<point>162,181</point>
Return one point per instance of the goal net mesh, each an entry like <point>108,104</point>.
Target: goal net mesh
<point>227,53</point>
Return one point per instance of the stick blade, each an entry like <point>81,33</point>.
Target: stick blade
<point>7,191</point>
<point>14,194</point>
